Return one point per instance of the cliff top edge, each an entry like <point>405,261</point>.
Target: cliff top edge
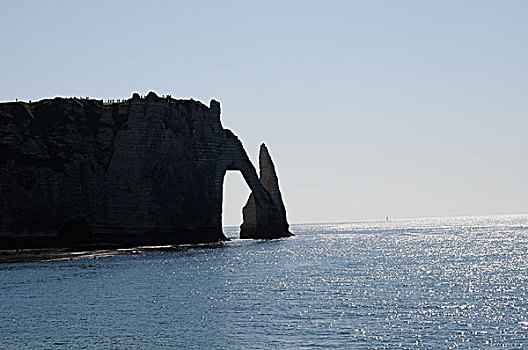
<point>151,96</point>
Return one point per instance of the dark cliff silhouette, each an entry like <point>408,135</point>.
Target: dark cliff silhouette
<point>141,171</point>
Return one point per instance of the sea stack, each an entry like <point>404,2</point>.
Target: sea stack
<point>147,170</point>
<point>265,219</point>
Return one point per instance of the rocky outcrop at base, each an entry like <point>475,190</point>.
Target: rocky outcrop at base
<point>142,171</point>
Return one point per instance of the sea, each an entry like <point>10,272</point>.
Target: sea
<point>429,283</point>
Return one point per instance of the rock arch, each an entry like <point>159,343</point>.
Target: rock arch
<point>264,215</point>
<point>147,170</point>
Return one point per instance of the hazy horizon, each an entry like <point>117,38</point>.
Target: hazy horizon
<point>369,109</point>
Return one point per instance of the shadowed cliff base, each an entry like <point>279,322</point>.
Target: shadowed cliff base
<point>144,171</point>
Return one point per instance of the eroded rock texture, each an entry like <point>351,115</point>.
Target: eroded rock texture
<point>263,218</point>
<point>143,171</point>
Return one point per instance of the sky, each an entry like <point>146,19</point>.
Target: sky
<point>369,108</point>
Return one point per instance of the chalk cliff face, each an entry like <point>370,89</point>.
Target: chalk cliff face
<point>143,171</point>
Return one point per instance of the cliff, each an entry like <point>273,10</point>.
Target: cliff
<point>142,171</point>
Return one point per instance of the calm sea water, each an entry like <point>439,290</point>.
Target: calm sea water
<point>417,283</point>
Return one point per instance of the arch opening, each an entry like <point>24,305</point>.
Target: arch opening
<point>235,193</point>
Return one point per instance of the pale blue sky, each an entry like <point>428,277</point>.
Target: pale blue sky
<point>369,108</point>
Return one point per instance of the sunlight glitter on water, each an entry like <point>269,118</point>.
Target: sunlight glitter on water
<point>416,283</point>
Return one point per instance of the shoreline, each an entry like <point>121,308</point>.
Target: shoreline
<point>13,256</point>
